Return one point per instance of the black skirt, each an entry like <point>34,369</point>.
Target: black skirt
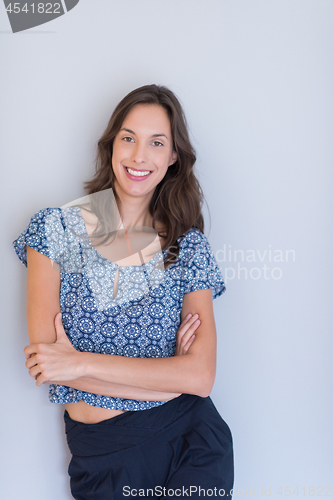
<point>182,449</point>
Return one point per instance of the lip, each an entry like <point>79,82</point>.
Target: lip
<point>133,178</point>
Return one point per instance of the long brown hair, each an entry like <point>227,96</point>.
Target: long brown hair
<point>177,200</point>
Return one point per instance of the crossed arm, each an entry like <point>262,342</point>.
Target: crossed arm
<point>51,358</point>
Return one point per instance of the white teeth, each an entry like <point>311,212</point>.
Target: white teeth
<point>137,174</point>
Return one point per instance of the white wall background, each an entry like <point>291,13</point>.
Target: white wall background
<point>255,78</point>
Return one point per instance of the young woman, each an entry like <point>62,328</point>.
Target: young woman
<point>127,341</point>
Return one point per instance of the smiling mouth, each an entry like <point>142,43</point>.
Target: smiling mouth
<point>138,173</point>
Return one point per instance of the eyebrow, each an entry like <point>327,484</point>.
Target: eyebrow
<point>131,132</point>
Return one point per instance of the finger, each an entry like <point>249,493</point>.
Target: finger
<point>26,353</point>
<point>188,334</point>
<point>34,371</point>
<point>183,329</point>
<point>186,319</point>
<point>188,344</point>
<point>186,323</point>
<point>58,318</point>
<point>183,338</point>
<point>41,379</point>
<point>31,362</point>
<point>60,331</point>
<point>30,350</point>
<point>31,356</point>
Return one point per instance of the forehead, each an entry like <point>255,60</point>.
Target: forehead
<point>148,118</point>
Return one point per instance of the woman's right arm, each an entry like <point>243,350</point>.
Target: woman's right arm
<point>43,304</point>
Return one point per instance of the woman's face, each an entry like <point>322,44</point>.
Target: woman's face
<point>142,150</point>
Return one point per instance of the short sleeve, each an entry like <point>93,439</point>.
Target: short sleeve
<point>201,269</point>
<point>44,233</point>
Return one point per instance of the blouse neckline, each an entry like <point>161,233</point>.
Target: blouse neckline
<point>85,233</point>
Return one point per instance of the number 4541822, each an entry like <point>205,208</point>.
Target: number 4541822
<point>312,491</point>
<point>41,8</point>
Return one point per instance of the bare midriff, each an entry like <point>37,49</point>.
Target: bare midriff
<point>82,412</point>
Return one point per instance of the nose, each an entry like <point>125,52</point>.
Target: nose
<point>139,153</point>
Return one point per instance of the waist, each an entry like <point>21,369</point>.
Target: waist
<point>86,414</point>
<point>131,428</point>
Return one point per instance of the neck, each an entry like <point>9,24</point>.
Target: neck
<point>134,211</point>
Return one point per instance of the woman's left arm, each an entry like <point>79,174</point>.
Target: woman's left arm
<point>193,373</point>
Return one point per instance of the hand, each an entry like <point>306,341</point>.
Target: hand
<point>185,334</point>
<point>53,362</point>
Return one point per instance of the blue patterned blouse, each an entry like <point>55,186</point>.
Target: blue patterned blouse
<point>142,319</point>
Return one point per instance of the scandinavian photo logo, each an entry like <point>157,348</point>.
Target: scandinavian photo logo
<point>253,264</point>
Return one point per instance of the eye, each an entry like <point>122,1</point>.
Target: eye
<point>157,143</point>
<point>127,139</point>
